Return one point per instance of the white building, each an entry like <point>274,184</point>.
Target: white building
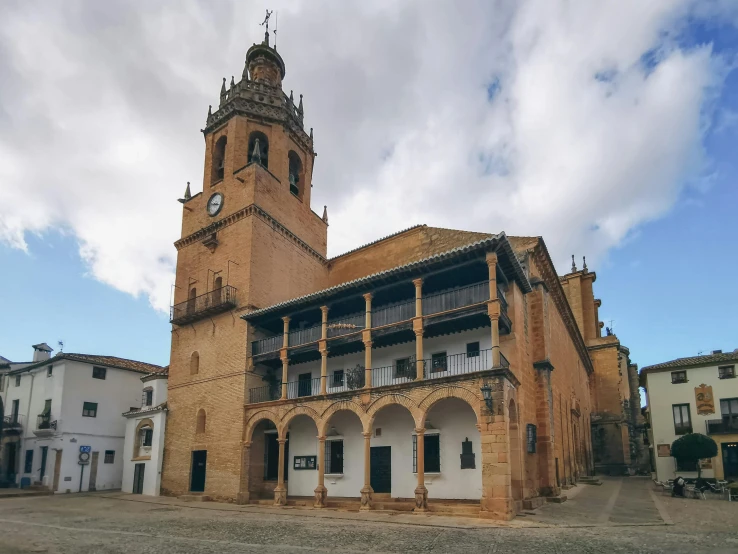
<point>60,406</point>
<point>143,450</point>
<point>699,395</point>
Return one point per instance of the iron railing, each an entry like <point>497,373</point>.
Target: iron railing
<point>266,393</point>
<point>303,387</point>
<point>394,374</point>
<point>346,325</point>
<point>304,336</point>
<point>722,426</point>
<point>441,366</point>
<point>213,302</point>
<point>269,344</point>
<point>13,421</point>
<point>44,421</point>
<point>503,301</point>
<point>393,314</point>
<point>456,298</point>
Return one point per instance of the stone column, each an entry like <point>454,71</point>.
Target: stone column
<point>320,490</point>
<point>323,347</point>
<point>280,491</point>
<point>367,491</point>
<point>283,355</point>
<point>418,328</point>
<point>497,502</point>
<point>243,494</point>
<point>421,493</point>
<point>493,308</point>
<point>367,338</point>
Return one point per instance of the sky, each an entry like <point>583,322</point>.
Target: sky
<point>609,128</point>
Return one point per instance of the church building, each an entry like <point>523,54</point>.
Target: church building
<point>430,370</point>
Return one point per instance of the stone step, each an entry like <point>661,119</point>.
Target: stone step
<point>556,499</point>
<point>590,481</point>
<point>533,503</point>
<point>194,497</point>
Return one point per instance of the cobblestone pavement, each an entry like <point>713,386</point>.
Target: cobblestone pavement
<point>595,520</point>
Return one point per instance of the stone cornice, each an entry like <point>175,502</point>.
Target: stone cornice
<point>250,210</point>
<point>548,272</point>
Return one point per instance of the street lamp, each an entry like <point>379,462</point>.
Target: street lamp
<point>487,395</point>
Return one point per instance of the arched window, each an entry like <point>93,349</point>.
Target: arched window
<point>259,149</point>
<point>191,300</point>
<point>297,174</point>
<point>219,153</point>
<point>200,421</point>
<point>144,438</point>
<point>195,363</point>
<point>216,295</point>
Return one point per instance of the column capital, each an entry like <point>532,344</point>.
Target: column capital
<point>419,332</point>
<point>368,344</point>
<point>324,352</point>
<point>418,282</point>
<point>282,441</point>
<point>367,434</point>
<point>246,444</point>
<point>324,309</point>
<point>368,296</point>
<point>321,438</point>
<point>491,258</point>
<point>420,431</point>
<point>286,319</point>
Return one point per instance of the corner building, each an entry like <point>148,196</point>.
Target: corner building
<point>433,369</point>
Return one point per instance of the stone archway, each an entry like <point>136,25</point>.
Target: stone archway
<point>516,473</point>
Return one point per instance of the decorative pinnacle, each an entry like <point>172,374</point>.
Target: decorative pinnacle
<point>223,87</point>
<point>325,214</point>
<point>292,98</point>
<point>245,74</point>
<point>187,194</point>
<point>299,108</point>
<point>233,82</point>
<point>210,111</point>
<point>584,260</point>
<point>311,133</point>
<point>573,265</point>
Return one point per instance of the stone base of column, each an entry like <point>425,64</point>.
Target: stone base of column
<point>243,498</point>
<point>421,499</point>
<point>366,498</point>
<point>280,496</point>
<point>500,509</point>
<point>320,495</point>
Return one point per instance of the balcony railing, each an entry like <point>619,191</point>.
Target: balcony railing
<point>12,421</point>
<point>264,346</point>
<point>266,393</point>
<point>210,303</point>
<point>457,364</point>
<point>722,426</point>
<point>304,336</point>
<point>455,298</point>
<point>393,314</point>
<point>394,374</point>
<point>346,325</point>
<point>44,422</point>
<point>303,387</point>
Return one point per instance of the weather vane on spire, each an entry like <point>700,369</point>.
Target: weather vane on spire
<point>266,23</point>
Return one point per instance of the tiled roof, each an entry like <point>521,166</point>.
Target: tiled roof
<point>376,241</point>
<point>709,359</point>
<point>146,410</point>
<point>107,361</point>
<point>520,244</point>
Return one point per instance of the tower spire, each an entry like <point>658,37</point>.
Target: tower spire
<point>573,265</point>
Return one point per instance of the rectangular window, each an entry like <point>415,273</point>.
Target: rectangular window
<point>472,350</point>
<point>726,372</point>
<point>729,407</point>
<point>403,368</point>
<point>15,410</point>
<point>432,450</point>
<point>333,456</point>
<point>17,380</point>
<point>149,397</point>
<point>29,462</point>
<point>148,437</point>
<point>438,362</point>
<point>109,457</point>
<point>89,409</point>
<point>47,407</point>
<point>50,371</point>
<point>682,419</point>
<point>98,372</point>
<point>678,377</point>
<point>337,378</point>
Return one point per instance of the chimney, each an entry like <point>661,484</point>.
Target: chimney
<point>41,352</point>
<point>717,351</point>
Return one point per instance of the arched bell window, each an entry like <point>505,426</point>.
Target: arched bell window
<point>258,149</point>
<point>297,175</point>
<point>219,153</point>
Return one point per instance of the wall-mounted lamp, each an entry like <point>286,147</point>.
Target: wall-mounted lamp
<point>487,395</point>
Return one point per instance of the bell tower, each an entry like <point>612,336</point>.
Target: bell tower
<point>249,239</point>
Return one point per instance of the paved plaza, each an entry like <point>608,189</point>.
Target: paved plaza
<point>622,515</point>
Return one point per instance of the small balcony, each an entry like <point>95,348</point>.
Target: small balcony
<point>45,426</point>
<point>211,303</point>
<point>405,374</point>
<point>13,423</point>
<point>725,426</point>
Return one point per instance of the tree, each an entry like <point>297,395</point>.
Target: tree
<point>693,447</point>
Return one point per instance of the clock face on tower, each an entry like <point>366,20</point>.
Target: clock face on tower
<point>215,203</point>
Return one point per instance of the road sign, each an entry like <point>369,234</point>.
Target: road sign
<point>84,457</point>
<point>85,449</point>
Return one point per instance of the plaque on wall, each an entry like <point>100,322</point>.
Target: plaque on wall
<point>705,399</point>
<point>467,456</point>
<point>664,450</point>
<point>305,462</point>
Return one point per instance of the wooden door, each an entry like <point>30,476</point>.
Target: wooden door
<point>44,459</point>
<point>138,478</point>
<point>199,464</point>
<point>380,461</point>
<point>57,470</point>
<point>93,471</point>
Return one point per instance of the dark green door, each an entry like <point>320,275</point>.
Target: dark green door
<point>381,468</point>
<point>199,463</point>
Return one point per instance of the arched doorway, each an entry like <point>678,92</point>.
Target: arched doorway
<point>392,472</point>
<point>344,455</point>
<point>302,460</point>
<point>264,460</point>
<point>516,473</point>
<point>453,451</point>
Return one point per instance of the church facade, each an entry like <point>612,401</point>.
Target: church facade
<point>430,368</point>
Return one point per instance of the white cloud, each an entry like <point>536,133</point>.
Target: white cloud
<point>582,141</point>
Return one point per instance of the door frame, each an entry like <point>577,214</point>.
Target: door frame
<point>377,449</point>
<point>44,460</point>
<point>724,447</point>
<point>204,470</point>
<point>139,476</point>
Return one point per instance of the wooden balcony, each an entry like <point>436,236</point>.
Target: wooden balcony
<point>208,304</point>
